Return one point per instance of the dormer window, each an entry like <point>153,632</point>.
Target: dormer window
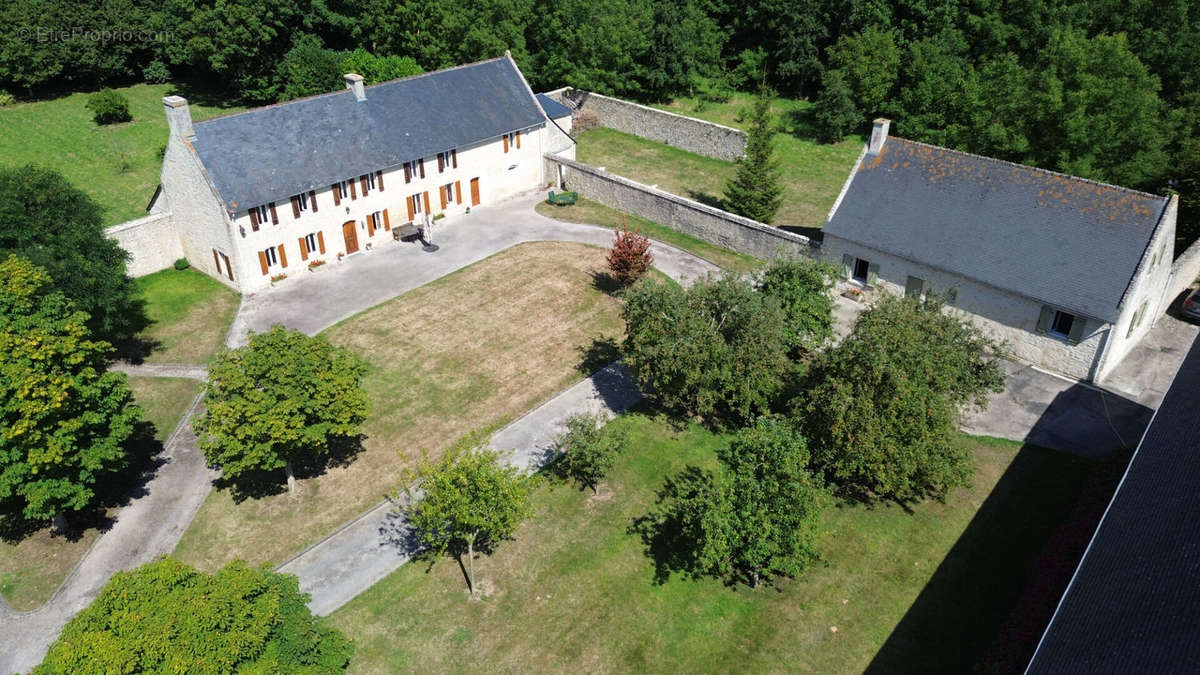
<point>446,159</point>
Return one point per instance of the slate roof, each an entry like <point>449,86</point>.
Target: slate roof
<point>1133,605</point>
<point>1064,241</point>
<point>554,109</point>
<point>269,154</point>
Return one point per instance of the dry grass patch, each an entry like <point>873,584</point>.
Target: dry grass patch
<point>474,349</point>
<point>189,313</point>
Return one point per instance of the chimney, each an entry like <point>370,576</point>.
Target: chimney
<point>354,84</point>
<point>879,134</point>
<point>179,117</point>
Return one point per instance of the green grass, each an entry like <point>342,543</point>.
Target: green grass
<point>919,591</point>
<point>33,564</point>
<point>190,314</point>
<point>593,213</point>
<point>812,172</point>
<point>117,165</point>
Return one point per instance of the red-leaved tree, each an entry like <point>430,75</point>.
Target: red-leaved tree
<point>630,256</point>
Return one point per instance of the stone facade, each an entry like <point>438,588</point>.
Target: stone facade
<point>686,133</point>
<point>1184,271</point>
<point>152,243</point>
<point>690,217</point>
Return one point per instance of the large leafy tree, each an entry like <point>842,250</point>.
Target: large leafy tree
<point>308,68</point>
<point>469,501</point>
<point>752,519</point>
<point>870,63</point>
<point>66,425</point>
<point>718,350</point>
<point>882,407</point>
<point>754,190</point>
<point>56,226</point>
<point>284,398</point>
<point>166,617</point>
<point>595,46</point>
<point>444,33</point>
<point>803,289</point>
<point>685,47</point>
<point>834,112</point>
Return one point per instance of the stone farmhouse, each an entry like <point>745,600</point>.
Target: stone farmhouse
<point>268,191</point>
<point>1068,273</point>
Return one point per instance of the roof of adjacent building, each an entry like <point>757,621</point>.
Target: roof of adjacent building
<point>1064,241</point>
<point>268,154</point>
<point>554,109</point>
<point>1134,602</point>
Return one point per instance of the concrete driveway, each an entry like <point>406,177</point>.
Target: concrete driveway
<point>311,302</point>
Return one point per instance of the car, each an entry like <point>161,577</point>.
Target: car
<point>1191,305</point>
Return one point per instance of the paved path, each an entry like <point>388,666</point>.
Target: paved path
<point>311,302</point>
<point>185,370</point>
<point>147,527</point>
<point>354,558</point>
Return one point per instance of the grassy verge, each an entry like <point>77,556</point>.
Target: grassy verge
<point>34,564</point>
<point>190,314</point>
<point>593,213</point>
<point>117,165</point>
<point>474,349</point>
<point>576,592</point>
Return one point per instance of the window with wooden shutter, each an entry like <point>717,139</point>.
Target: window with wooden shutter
<point>1044,318</point>
<point>353,194</point>
<point>408,172</point>
<point>505,139</point>
<point>379,179</point>
<point>254,218</point>
<point>518,136</point>
<point>262,261</point>
<point>366,189</point>
<point>872,273</point>
<point>295,207</point>
<point>427,201</point>
<point>337,194</point>
<point>408,201</point>
<point>370,225</point>
<point>303,249</point>
<point>454,158</point>
<point>282,256</point>
<point>441,162</point>
<point>321,242</point>
<point>442,196</point>
<point>914,287</point>
<point>847,265</point>
<point>216,261</point>
<point>228,266</point>
<point>421,166</point>
<point>312,199</point>
<point>274,216</point>
<point>458,191</point>
<point>387,223</point>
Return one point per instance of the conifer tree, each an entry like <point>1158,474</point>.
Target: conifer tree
<point>754,190</point>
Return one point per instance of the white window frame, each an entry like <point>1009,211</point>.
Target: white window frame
<point>418,204</point>
<point>1054,332</point>
<point>310,241</point>
<point>343,189</point>
<point>302,201</point>
<point>449,188</point>
<point>866,264</point>
<point>272,257</point>
<point>371,180</point>
<point>264,215</point>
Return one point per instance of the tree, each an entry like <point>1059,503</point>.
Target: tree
<point>834,111</point>
<point>803,290</point>
<point>308,69</point>
<point>86,266</point>
<point>753,519</point>
<point>588,449</point>
<point>108,107</point>
<point>166,617</point>
<point>882,406</point>
<point>717,350</point>
<point>754,190</point>
<point>469,501</point>
<point>599,47</point>
<point>376,69</point>
<point>685,47</point>
<point>284,398</point>
<point>66,425</point>
<point>629,258</point>
<point>870,63</point>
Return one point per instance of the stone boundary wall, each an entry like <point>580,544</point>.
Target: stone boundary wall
<point>678,213</point>
<point>687,133</point>
<point>152,242</point>
<point>1184,271</point>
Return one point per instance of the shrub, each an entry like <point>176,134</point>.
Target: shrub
<point>6,99</point>
<point>182,264</point>
<point>156,72</point>
<point>588,449</point>
<point>630,257</point>
<point>109,106</point>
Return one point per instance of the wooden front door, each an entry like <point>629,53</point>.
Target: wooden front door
<point>474,192</point>
<point>350,234</point>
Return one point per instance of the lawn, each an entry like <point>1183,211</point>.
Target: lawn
<point>812,173</point>
<point>117,165</point>
<point>474,349</point>
<point>593,213</point>
<point>190,315</point>
<point>575,591</point>
<point>34,563</point>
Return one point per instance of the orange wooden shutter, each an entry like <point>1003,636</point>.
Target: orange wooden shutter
<point>274,216</point>
<point>379,180</point>
<point>254,219</point>
<point>312,199</point>
<point>296,207</point>
<point>427,201</point>
<point>407,172</point>
<point>454,158</point>
<point>411,209</point>
<point>216,261</point>
<point>366,189</point>
<point>458,191</point>
<point>282,256</point>
<point>353,194</point>
<point>303,249</point>
<point>442,196</point>
<point>387,224</point>
<point>518,140</point>
<point>228,266</point>
<point>262,261</point>
<point>506,142</point>
<point>421,166</point>
<point>337,195</point>
<point>321,241</point>
<point>370,225</point>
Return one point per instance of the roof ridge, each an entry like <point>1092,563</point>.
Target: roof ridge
<point>337,92</point>
<point>1039,169</point>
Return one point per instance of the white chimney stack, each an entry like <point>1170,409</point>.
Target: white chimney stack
<point>354,82</point>
<point>179,117</point>
<point>879,134</point>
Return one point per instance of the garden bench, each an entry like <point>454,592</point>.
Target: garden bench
<point>563,198</point>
